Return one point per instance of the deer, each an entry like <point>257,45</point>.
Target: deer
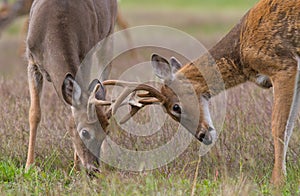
<point>21,8</point>
<point>60,34</point>
<point>262,48</point>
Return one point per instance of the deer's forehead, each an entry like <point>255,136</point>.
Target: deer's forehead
<point>179,88</point>
<point>79,113</point>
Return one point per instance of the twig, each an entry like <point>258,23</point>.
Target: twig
<point>195,177</point>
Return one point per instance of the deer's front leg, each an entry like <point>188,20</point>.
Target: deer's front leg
<point>35,80</point>
<point>283,95</point>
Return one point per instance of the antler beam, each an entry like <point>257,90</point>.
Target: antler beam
<point>153,96</point>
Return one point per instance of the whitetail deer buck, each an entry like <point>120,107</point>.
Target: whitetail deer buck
<point>8,13</point>
<point>61,33</point>
<point>262,47</point>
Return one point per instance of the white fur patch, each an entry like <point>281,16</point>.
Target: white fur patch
<point>293,114</point>
<point>261,79</point>
<point>207,116</point>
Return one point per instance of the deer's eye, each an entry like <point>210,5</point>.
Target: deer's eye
<point>177,108</point>
<point>85,134</point>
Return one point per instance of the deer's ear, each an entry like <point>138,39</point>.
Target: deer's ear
<point>161,67</point>
<point>71,90</point>
<point>175,64</point>
<point>100,94</point>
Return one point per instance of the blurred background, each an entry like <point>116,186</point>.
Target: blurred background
<point>208,21</point>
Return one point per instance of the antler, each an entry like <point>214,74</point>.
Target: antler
<point>136,105</point>
<point>153,96</point>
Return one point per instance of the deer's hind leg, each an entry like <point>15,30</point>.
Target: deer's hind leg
<point>283,84</point>
<point>35,80</point>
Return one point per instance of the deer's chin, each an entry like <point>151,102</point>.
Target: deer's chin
<point>207,137</point>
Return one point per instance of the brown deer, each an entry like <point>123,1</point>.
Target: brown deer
<point>262,47</point>
<point>60,34</point>
<point>8,13</point>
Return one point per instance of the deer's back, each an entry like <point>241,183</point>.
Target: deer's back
<point>271,35</point>
<point>61,33</point>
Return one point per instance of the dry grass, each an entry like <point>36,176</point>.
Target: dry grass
<point>241,161</point>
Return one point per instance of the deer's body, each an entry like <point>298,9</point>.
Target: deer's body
<point>262,48</point>
<point>61,33</point>
<point>266,41</point>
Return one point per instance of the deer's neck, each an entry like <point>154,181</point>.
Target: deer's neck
<point>220,68</point>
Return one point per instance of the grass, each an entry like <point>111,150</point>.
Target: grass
<point>15,180</point>
<point>190,4</point>
<point>14,29</point>
<point>239,164</point>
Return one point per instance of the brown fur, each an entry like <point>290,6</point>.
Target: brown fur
<point>22,8</point>
<point>61,33</point>
<point>266,41</point>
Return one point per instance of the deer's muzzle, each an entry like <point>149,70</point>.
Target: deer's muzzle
<point>208,136</point>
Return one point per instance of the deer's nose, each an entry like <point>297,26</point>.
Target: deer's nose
<point>207,136</point>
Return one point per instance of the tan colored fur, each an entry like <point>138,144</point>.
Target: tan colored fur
<point>266,41</point>
<point>61,33</point>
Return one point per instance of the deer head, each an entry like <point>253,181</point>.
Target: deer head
<point>91,121</point>
<point>180,100</point>
<point>177,95</point>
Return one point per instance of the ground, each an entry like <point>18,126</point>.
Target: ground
<point>239,164</point>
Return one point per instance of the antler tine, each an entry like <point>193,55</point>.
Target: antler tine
<point>145,94</point>
<point>102,102</point>
<point>133,101</point>
<point>135,108</point>
<point>136,105</point>
<point>149,101</point>
<point>120,99</point>
<point>152,92</point>
<point>120,83</point>
<point>93,100</point>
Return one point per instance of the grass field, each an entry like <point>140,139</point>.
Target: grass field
<point>239,164</point>
<point>190,4</point>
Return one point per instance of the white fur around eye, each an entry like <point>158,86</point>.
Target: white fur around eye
<point>175,114</point>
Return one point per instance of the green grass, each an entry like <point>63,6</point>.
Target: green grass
<point>14,180</point>
<point>190,4</point>
<point>16,27</point>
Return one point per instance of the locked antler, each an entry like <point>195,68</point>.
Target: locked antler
<point>136,101</point>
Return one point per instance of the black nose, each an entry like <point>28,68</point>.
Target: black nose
<point>201,137</point>
<point>205,137</point>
